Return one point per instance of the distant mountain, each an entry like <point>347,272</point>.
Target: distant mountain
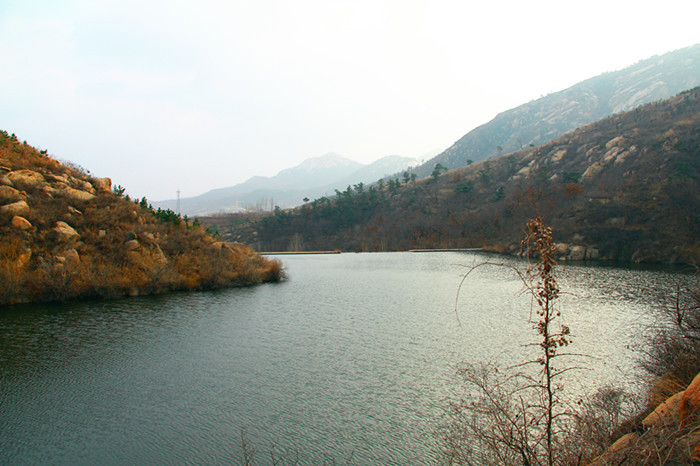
<point>545,119</point>
<point>379,169</point>
<point>314,177</point>
<point>316,171</point>
<point>624,188</point>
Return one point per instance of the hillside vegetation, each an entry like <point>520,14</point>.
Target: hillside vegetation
<point>624,188</point>
<point>66,234</point>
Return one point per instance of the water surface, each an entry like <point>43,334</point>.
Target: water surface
<point>353,358</point>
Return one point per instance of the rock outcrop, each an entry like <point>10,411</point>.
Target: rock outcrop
<point>671,432</point>
<point>65,232</point>
<point>76,194</point>
<point>103,185</point>
<point>689,405</point>
<point>10,194</point>
<point>16,208</point>
<point>26,178</point>
<point>20,222</point>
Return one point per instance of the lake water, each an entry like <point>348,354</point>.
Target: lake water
<point>352,359</point>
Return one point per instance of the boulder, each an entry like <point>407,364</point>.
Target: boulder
<point>25,178</point>
<point>9,194</point>
<point>77,194</point>
<point>49,191</point>
<point>57,178</point>
<point>20,222</point>
<point>591,172</point>
<point>102,185</point>
<point>666,414</point>
<point>615,142</point>
<point>592,253</point>
<point>525,171</point>
<point>101,234</point>
<point>65,231</point>
<point>689,406</point>
<point>20,208</point>
<point>132,245</point>
<point>578,253</point>
<point>611,155</point>
<point>23,258</point>
<point>624,442</point>
<point>82,185</point>
<point>617,450</point>
<point>69,257</point>
<point>5,181</point>
<point>558,155</point>
<point>561,249</point>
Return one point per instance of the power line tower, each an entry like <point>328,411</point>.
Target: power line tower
<point>178,202</point>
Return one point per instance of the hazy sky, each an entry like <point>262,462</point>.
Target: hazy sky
<point>196,95</point>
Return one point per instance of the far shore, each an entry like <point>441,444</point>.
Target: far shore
<point>281,253</point>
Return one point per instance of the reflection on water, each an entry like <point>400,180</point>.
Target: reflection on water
<point>352,358</point>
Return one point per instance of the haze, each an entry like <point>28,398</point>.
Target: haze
<point>162,96</point>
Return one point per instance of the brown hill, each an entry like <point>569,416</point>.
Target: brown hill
<point>66,234</point>
<point>623,188</point>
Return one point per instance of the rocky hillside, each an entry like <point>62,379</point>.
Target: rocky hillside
<point>549,117</point>
<point>624,188</point>
<point>66,235</point>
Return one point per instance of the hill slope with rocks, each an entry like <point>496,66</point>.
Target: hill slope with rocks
<point>549,117</point>
<point>67,235</point>
<point>624,188</point>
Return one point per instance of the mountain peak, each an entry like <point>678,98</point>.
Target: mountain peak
<point>327,161</point>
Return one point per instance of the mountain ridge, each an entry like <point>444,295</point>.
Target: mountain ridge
<point>313,177</point>
<point>548,117</point>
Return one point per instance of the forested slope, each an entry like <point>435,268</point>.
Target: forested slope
<point>623,188</point>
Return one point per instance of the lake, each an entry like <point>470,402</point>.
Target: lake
<point>352,360</point>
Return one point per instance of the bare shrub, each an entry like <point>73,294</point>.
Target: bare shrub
<point>596,422</point>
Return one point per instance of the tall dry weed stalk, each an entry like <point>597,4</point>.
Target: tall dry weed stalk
<point>545,291</point>
<point>516,416</point>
